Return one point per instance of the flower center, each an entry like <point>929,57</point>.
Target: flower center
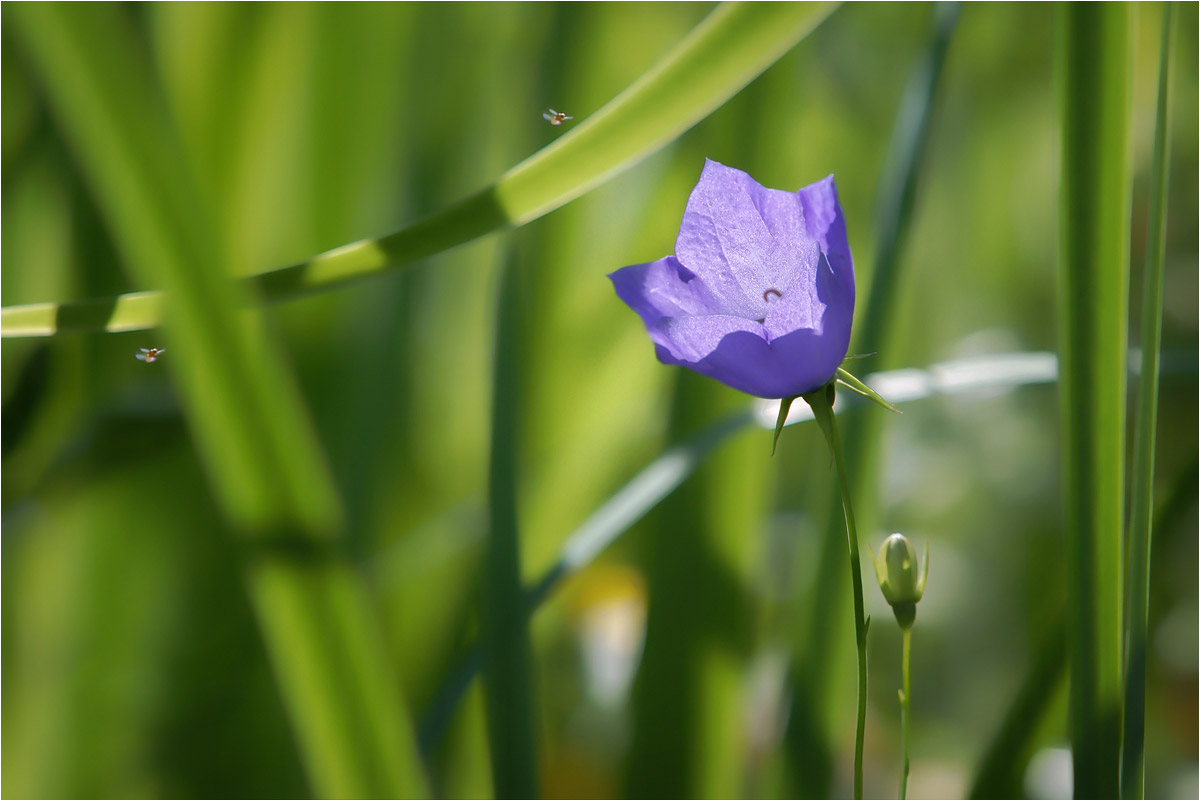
<point>767,299</point>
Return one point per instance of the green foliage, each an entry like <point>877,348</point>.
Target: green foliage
<point>231,572</point>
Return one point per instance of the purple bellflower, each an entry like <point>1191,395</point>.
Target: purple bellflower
<point>760,292</point>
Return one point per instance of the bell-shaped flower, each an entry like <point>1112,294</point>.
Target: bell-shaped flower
<point>760,292</point>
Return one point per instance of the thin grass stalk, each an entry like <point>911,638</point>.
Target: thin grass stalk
<point>504,616</point>
<point>249,423</point>
<point>1094,75</point>
<point>1142,498</point>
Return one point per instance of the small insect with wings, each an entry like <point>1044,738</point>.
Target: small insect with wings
<point>555,117</point>
<point>149,355</point>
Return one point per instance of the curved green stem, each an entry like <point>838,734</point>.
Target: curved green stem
<point>821,402</point>
<point>905,710</point>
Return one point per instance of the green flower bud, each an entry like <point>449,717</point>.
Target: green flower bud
<point>900,577</point>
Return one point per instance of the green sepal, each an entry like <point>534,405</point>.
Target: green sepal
<point>785,404</point>
<point>880,574</point>
<point>906,614</point>
<point>850,382</point>
<point>924,572</point>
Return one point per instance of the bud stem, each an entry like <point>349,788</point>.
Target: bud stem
<point>821,402</point>
<point>905,711</point>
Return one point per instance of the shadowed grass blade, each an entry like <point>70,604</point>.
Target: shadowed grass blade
<point>729,49</point>
<point>504,616</point>
<point>1094,67</point>
<point>1142,498</point>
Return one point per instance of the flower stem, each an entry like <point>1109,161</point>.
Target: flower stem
<point>905,711</point>
<point>821,402</point>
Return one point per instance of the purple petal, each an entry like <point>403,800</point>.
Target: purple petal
<point>663,288</point>
<point>825,223</point>
<point>690,340</point>
<point>749,357</point>
<point>792,365</point>
<point>744,240</point>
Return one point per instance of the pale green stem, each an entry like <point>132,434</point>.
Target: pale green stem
<point>821,402</point>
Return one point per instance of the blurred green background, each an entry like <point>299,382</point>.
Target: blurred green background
<point>132,660</point>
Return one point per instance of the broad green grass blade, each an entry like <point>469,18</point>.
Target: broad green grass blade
<point>247,419</point>
<point>729,49</point>
<point>504,617</point>
<point>1094,67</point>
<point>1142,499</point>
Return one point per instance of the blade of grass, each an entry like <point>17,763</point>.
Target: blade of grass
<point>1093,66</point>
<point>246,417</point>
<point>504,616</point>
<point>730,48</point>
<point>1142,498</point>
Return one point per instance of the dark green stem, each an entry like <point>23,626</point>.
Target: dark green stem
<point>821,402</point>
<point>504,617</point>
